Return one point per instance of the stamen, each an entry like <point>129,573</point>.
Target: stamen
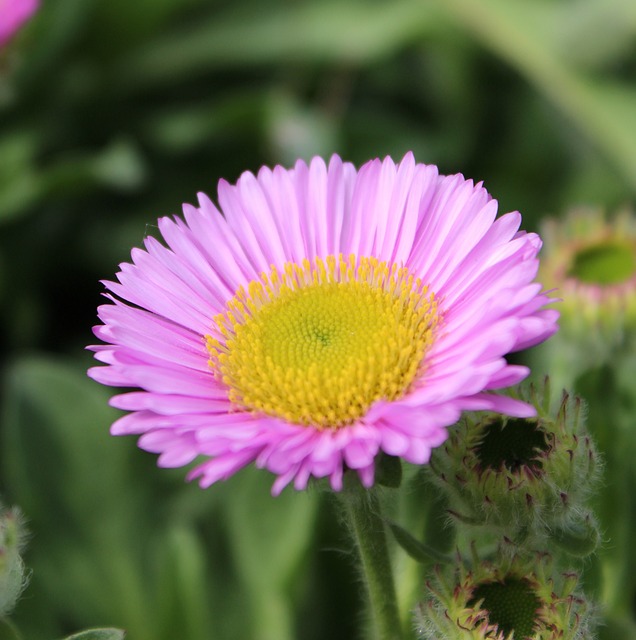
<point>318,343</point>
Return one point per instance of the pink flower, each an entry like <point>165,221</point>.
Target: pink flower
<point>319,316</point>
<point>13,14</point>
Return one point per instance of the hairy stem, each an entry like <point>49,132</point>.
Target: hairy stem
<point>361,508</point>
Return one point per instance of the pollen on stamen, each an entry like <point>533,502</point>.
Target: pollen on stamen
<point>318,343</point>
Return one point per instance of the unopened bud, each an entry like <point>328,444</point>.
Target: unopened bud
<point>522,478</point>
<point>512,598</point>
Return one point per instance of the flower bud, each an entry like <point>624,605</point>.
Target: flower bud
<point>523,479</point>
<point>512,598</point>
<point>589,258</point>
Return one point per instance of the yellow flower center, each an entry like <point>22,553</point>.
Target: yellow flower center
<point>318,343</point>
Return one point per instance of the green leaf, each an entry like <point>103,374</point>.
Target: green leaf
<point>19,184</point>
<point>613,627</point>
<point>98,634</point>
<point>593,34</point>
<point>56,423</point>
<point>185,127</point>
<point>602,109</point>
<point>297,131</point>
<point>269,537</point>
<point>416,549</point>
<point>345,32</point>
<point>118,166</point>
<point>183,597</point>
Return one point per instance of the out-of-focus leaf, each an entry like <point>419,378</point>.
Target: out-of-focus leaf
<point>119,166</point>
<point>298,131</point>
<point>54,29</point>
<point>182,129</point>
<point>98,634</point>
<point>347,32</point>
<point>388,471</point>
<point>128,21</point>
<point>183,596</point>
<point>614,627</point>
<point>589,33</point>
<point>74,484</point>
<point>584,34</point>
<point>19,186</point>
<point>56,426</point>
<point>269,537</point>
<point>604,110</point>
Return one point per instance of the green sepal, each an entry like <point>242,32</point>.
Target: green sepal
<point>417,550</point>
<point>580,539</point>
<point>388,471</point>
<point>98,634</point>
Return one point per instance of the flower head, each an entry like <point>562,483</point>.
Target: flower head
<point>319,316</point>
<point>13,14</point>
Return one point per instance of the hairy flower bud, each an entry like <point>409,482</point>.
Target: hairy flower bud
<point>510,599</point>
<point>523,478</point>
<point>13,14</point>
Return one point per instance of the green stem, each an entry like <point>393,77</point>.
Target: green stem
<point>362,512</point>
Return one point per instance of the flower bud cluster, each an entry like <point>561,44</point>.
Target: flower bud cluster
<point>523,479</point>
<point>524,485</point>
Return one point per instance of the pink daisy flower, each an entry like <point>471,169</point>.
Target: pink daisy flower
<point>319,316</point>
<point>13,14</point>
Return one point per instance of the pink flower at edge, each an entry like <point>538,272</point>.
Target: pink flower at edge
<point>13,14</point>
<point>477,272</point>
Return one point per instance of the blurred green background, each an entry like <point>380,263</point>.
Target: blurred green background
<point>113,113</point>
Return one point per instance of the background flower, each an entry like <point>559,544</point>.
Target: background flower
<point>13,14</point>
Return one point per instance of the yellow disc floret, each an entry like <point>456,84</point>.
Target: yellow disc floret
<point>318,343</point>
